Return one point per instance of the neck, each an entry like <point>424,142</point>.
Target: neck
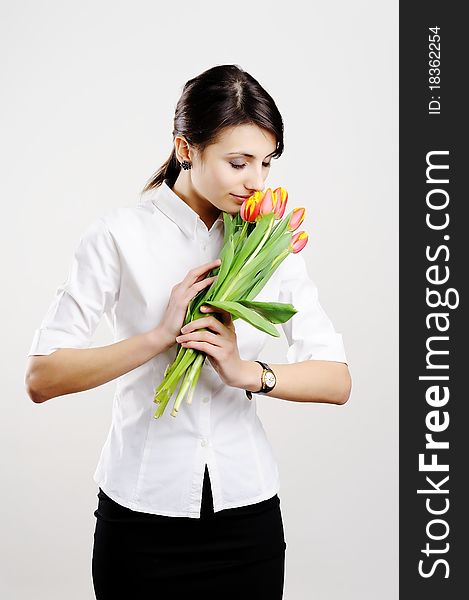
<point>184,189</point>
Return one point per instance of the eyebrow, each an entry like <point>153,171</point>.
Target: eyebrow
<point>249,155</point>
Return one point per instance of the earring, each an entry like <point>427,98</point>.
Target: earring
<point>186,165</point>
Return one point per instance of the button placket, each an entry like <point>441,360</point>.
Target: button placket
<point>204,430</point>
<point>203,238</point>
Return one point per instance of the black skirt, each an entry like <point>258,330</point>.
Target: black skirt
<point>234,552</point>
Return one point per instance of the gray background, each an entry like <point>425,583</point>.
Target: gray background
<point>89,95</point>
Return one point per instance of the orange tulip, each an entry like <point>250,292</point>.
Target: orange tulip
<point>298,242</point>
<point>267,203</point>
<point>296,219</point>
<point>250,209</point>
<point>280,201</point>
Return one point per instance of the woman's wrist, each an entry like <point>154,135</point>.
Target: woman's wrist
<point>159,340</point>
<point>250,376</point>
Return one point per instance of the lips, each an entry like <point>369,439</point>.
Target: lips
<point>239,199</point>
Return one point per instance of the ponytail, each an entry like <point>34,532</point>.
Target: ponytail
<point>168,170</point>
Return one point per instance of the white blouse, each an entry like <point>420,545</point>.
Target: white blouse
<point>124,268</point>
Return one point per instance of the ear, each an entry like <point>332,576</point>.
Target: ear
<point>182,149</point>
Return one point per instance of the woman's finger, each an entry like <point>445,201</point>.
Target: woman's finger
<point>226,316</point>
<point>204,322</point>
<point>197,272</point>
<point>196,337</point>
<point>199,285</point>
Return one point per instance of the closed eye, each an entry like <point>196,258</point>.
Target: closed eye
<point>235,166</point>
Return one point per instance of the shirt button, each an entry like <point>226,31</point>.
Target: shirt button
<point>204,247</point>
<point>204,443</point>
<point>205,399</point>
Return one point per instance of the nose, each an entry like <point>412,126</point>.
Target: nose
<point>254,182</point>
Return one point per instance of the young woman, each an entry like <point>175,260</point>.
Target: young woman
<point>189,504</point>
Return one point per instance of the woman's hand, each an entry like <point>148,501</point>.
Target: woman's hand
<point>181,295</point>
<point>219,343</point>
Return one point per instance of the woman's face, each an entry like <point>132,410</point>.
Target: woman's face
<point>226,171</point>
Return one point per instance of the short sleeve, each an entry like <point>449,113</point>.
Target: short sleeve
<point>310,333</point>
<point>90,290</point>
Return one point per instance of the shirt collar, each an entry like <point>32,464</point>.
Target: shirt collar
<point>166,200</point>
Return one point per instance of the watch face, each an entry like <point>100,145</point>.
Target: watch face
<point>270,379</point>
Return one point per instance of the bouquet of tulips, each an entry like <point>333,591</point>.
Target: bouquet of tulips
<point>256,241</point>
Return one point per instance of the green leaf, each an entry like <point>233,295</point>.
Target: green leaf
<point>261,281</point>
<point>250,316</point>
<point>252,241</point>
<point>275,312</point>
<point>226,261</point>
<point>228,222</point>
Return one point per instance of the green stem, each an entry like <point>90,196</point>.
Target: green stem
<point>173,375</point>
<point>185,385</point>
<point>242,235</point>
<point>197,368</point>
<point>252,256</point>
<point>279,258</point>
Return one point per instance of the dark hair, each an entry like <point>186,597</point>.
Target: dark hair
<point>220,97</point>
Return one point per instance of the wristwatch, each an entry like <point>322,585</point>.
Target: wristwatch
<point>268,380</point>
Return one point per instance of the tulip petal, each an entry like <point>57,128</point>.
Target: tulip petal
<point>298,241</point>
<point>267,204</point>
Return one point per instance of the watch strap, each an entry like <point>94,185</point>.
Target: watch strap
<point>263,389</point>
